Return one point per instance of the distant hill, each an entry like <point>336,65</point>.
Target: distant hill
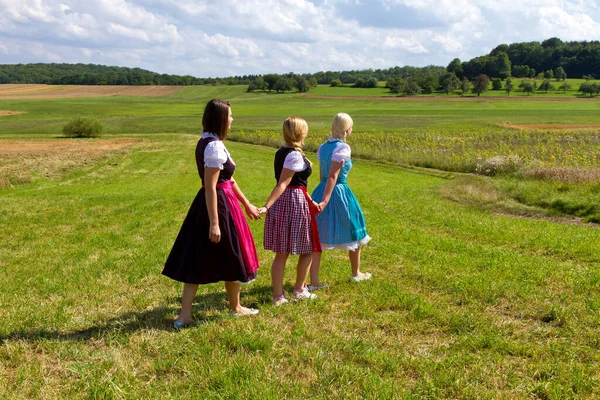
<point>89,74</point>
<point>529,59</point>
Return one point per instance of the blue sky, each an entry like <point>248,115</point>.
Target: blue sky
<point>235,37</point>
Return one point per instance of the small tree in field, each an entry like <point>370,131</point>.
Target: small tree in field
<point>450,82</point>
<point>481,84</point>
<point>565,86</point>
<point>82,127</point>
<point>546,85</point>
<point>412,88</point>
<point>371,83</point>
<point>397,85</point>
<point>335,82</point>
<point>509,86</point>
<point>465,85</point>
<point>283,84</point>
<point>527,87</point>
<point>496,84</point>
<point>590,88</point>
<point>301,83</point>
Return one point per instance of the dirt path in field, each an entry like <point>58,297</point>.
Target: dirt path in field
<point>23,92</point>
<point>4,112</point>
<point>449,98</point>
<point>21,159</point>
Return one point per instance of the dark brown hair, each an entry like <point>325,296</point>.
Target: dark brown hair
<point>215,118</point>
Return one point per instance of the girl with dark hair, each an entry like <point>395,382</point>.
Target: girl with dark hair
<point>215,243</point>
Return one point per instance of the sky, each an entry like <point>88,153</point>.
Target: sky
<point>240,37</point>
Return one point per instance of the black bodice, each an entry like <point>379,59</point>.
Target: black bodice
<point>228,168</point>
<point>299,178</point>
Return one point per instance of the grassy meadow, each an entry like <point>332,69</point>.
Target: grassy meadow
<point>484,287</point>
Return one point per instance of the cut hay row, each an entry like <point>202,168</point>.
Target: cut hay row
<point>5,113</point>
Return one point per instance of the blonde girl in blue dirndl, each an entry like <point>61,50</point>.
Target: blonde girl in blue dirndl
<point>341,222</point>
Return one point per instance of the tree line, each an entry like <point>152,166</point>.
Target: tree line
<point>550,59</point>
<point>89,74</point>
<point>427,77</point>
<point>93,74</point>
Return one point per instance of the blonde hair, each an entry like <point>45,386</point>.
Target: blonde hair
<point>295,130</point>
<point>341,123</point>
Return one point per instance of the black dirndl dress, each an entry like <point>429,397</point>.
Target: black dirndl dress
<point>194,258</point>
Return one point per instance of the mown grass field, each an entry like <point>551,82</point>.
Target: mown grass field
<point>465,303</point>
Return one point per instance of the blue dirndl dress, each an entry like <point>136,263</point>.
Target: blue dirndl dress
<point>342,222</point>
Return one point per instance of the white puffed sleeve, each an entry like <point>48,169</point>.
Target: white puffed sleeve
<point>341,153</point>
<point>215,155</point>
<point>294,161</point>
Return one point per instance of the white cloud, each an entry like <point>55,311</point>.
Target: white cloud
<point>235,37</point>
<point>554,21</point>
<point>409,44</point>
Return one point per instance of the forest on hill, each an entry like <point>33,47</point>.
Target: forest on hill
<point>529,59</point>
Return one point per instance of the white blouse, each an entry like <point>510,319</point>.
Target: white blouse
<point>215,153</point>
<point>294,161</point>
<point>342,153</point>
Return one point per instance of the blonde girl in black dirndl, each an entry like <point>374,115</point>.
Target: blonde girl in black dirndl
<point>290,225</point>
<point>215,243</point>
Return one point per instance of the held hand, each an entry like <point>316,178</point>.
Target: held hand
<point>316,205</point>
<point>262,210</point>
<point>252,212</point>
<point>214,233</point>
<point>322,205</point>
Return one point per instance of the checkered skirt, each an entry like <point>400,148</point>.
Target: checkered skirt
<point>287,226</point>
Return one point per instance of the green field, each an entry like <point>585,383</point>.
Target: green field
<point>264,111</point>
<point>467,301</point>
<point>447,134</point>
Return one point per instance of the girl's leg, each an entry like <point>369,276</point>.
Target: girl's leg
<point>304,261</point>
<point>314,269</point>
<point>233,295</point>
<point>189,293</point>
<point>277,273</point>
<point>354,256</point>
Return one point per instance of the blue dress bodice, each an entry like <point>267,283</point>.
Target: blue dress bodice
<point>325,155</point>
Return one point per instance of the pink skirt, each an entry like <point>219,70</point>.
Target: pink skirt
<point>245,238</point>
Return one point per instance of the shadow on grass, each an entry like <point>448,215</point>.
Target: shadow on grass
<point>159,318</point>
